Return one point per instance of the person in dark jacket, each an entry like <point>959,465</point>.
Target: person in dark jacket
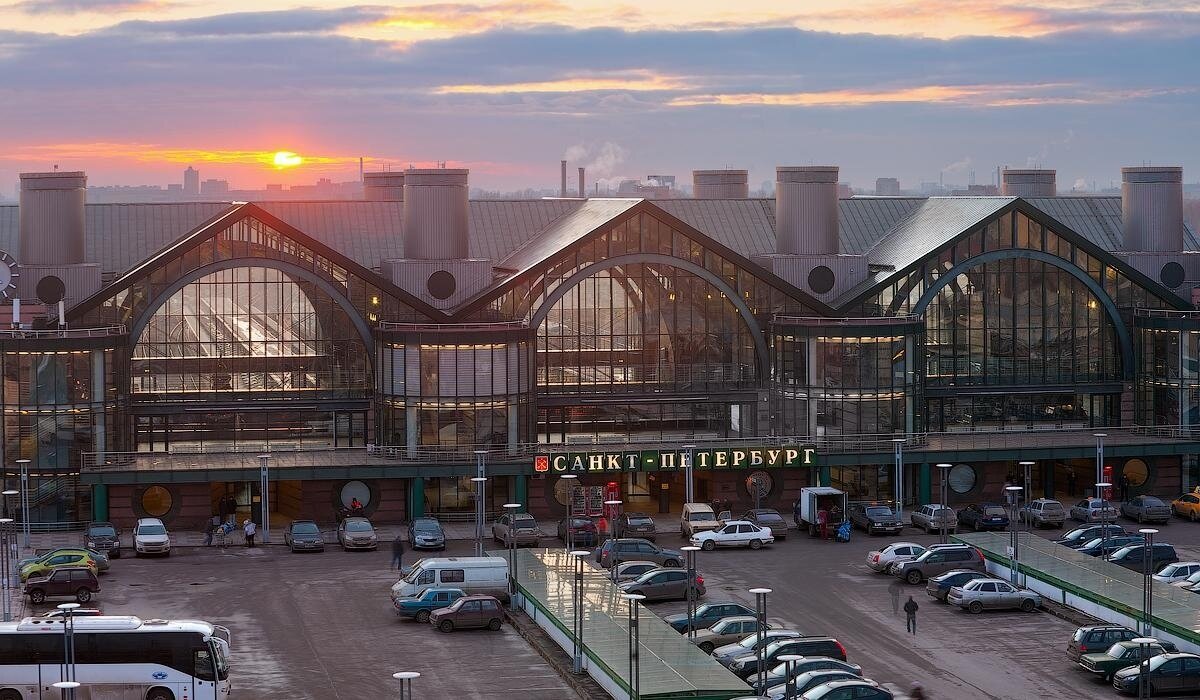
<point>397,552</point>
<point>910,615</point>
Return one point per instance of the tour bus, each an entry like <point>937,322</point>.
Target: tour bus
<point>118,657</point>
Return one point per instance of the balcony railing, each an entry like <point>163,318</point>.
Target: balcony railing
<point>49,333</point>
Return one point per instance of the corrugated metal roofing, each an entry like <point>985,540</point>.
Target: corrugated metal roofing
<point>590,215</point>
<point>935,222</point>
<point>1097,219</point>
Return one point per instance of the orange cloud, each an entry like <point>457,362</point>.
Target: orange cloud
<point>155,153</point>
<point>633,81</point>
<point>969,95</point>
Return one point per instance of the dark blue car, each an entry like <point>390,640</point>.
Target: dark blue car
<point>706,616</point>
<point>983,516</point>
<point>939,587</point>
<point>1100,545</point>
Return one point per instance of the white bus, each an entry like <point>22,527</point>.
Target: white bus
<point>116,657</point>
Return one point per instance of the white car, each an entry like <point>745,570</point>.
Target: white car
<point>736,533</point>
<point>880,561</point>
<point>1179,571</point>
<point>150,536</point>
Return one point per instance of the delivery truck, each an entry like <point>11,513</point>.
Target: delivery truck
<point>813,500</point>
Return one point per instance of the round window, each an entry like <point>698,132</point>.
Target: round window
<point>1137,471</point>
<point>759,484</point>
<point>961,478</point>
<point>156,501</point>
<point>356,489</point>
<point>562,490</point>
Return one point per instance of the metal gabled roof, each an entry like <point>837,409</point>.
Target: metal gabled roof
<point>1098,219</point>
<point>937,221</point>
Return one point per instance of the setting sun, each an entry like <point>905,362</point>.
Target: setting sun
<point>287,159</point>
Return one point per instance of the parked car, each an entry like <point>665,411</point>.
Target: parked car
<point>1169,674</point>
<point>983,516</point>
<point>57,559</point>
<point>725,655</point>
<point>637,550</point>
<point>933,517</point>
<point>768,518</point>
<point>1043,512</point>
<point>78,582</point>
<point>747,665</point>
<point>426,533</point>
<point>636,525</point>
<point>357,533</point>
<point>150,536</point>
<point>1178,572</point>
<point>469,612</point>
<point>1116,657</point>
<point>1093,639</point>
<point>1188,582</point>
<point>100,558</point>
<point>811,679</point>
<point>780,673</point>
<point>663,584</point>
<point>522,528</point>
<point>724,631</point>
<point>706,615</point>
<point>103,537</point>
<point>1102,546</point>
<point>1082,535</point>
<point>736,533</point>
<point>421,605</point>
<point>938,587</point>
<point>861,689</point>
<point>697,517</point>
<point>1187,506</point>
<point>874,518</point>
<point>939,561</point>
<point>992,594</point>
<point>1093,510</point>
<point>881,560</point>
<point>1134,556</point>
<point>629,570</point>
<point>582,532</point>
<point>471,575</point>
<point>1146,509</point>
<point>303,536</point>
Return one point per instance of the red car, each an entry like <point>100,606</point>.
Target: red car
<point>75,582</point>
<point>469,612</point>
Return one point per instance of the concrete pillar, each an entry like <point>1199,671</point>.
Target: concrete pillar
<point>416,497</point>
<point>521,490</point>
<point>924,485</point>
<point>1048,479</point>
<point>826,478</point>
<point>100,502</point>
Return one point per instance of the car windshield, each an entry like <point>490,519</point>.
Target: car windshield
<point>1052,505</point>
<point>1093,543</point>
<point>772,516</point>
<point>647,576</point>
<point>580,522</point>
<point>702,516</point>
<point>640,520</point>
<point>994,510</point>
<point>1152,502</point>
<point>358,526</point>
<point>943,512</point>
<point>426,526</point>
<point>524,521</point>
<point>879,511</point>
<point>102,531</point>
<point>1116,651</point>
<point>304,529</point>
<point>152,530</point>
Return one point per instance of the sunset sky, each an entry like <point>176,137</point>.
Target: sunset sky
<point>134,91</point>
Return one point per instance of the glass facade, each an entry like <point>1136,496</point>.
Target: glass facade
<point>1168,372</point>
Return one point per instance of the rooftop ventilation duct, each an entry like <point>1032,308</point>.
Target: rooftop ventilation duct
<point>1151,208</point>
<point>806,210</point>
<point>1029,183</point>
<point>436,225</point>
<point>51,214</point>
<point>720,184</point>
<point>383,187</point>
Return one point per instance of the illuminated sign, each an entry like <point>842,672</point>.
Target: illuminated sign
<point>671,460</point>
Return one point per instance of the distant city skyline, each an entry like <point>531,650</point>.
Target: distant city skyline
<point>904,89</point>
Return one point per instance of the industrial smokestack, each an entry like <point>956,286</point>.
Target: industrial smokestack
<point>1152,208</point>
<point>1028,183</point>
<point>720,184</point>
<point>582,186</point>
<point>436,224</point>
<point>51,218</point>
<point>806,210</point>
<point>383,187</point>
<point>562,192</point>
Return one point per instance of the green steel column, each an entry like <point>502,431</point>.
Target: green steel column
<point>924,487</point>
<point>521,490</point>
<point>100,502</point>
<point>416,497</point>
<point>826,479</point>
<point>1048,479</point>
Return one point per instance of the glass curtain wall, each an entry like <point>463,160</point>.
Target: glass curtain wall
<point>1168,377</point>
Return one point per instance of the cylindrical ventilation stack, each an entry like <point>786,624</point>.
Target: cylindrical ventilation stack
<point>435,215</point>
<point>720,184</point>
<point>806,210</point>
<point>562,192</point>
<point>51,214</point>
<point>582,185</point>
<point>1029,183</point>
<point>383,187</point>
<point>1152,209</point>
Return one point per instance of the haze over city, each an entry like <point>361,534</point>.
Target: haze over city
<point>134,91</point>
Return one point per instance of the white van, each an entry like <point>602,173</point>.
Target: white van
<point>697,517</point>
<point>471,575</point>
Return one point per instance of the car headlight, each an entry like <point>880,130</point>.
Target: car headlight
<point>91,545</point>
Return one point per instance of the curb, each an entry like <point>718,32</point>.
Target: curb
<point>584,686</point>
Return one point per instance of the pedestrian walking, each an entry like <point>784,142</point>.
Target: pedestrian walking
<point>917,693</point>
<point>250,529</point>
<point>397,551</point>
<point>894,591</point>
<point>210,529</point>
<point>1071,483</point>
<point>910,615</point>
<point>1124,488</point>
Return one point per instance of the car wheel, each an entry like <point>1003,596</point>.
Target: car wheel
<point>423,616</point>
<point>755,544</point>
<point>446,626</point>
<point>913,577</point>
<point>160,694</point>
<point>83,595</point>
<point>672,564</point>
<point>1028,605</point>
<point>975,607</point>
<point>116,554</point>
<point>37,596</point>
<point>494,624</point>
<point>9,695</point>
<point>708,545</point>
<point>1192,515</point>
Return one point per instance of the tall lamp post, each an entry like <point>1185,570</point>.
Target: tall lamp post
<point>406,678</point>
<point>789,686</point>
<point>23,464</point>
<point>512,558</point>
<point>480,483</point>
<point>4,565</point>
<point>760,609</point>
<point>1027,465</point>
<point>1100,487</point>
<point>635,664</point>
<point>1099,457</point>
<point>577,595</point>
<point>898,449</point>
<point>264,499</point>
<point>690,552</point>
<point>615,555</point>
<point>1014,496</point>
<point>1144,644</point>
<point>687,473</point>
<point>570,482</point>
<point>944,468</point>
<point>1147,582</point>
<point>68,673</point>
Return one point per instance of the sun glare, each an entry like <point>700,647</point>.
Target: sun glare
<point>287,159</point>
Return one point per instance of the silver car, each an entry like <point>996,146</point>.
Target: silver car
<point>983,594</point>
<point>880,561</point>
<point>1146,509</point>
<point>1093,510</point>
<point>357,533</point>
<point>1043,512</point>
<point>725,655</point>
<point>933,517</point>
<point>522,527</point>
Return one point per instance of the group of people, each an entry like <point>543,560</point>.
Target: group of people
<point>225,523</point>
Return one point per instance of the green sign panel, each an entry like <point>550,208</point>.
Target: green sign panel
<point>707,458</point>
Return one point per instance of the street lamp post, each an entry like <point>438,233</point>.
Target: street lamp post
<point>480,483</point>
<point>898,448</point>
<point>687,473</point>
<point>4,565</point>
<point>1100,486</point>
<point>512,558</point>
<point>615,554</point>
<point>690,552</point>
<point>789,685</point>
<point>635,664</point>
<point>577,597</point>
<point>24,466</point>
<point>1028,467</point>
<point>1014,496</point>
<point>1099,457</point>
<point>944,467</point>
<point>264,500</point>
<point>571,478</point>
<point>1144,664</point>
<point>406,678</point>
<point>68,673</point>
<point>1147,582</point>
<point>760,609</point>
